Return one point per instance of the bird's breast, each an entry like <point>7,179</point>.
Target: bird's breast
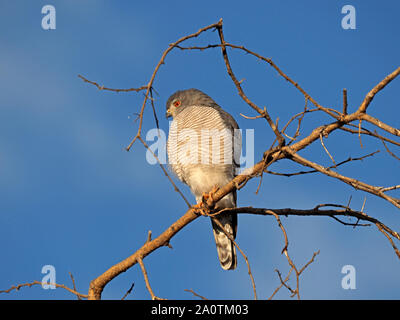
<point>200,147</point>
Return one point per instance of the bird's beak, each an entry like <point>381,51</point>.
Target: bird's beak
<point>168,114</point>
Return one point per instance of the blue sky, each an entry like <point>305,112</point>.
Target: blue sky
<point>72,197</point>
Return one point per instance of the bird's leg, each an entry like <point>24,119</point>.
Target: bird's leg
<point>203,207</point>
<point>200,208</point>
<point>209,195</point>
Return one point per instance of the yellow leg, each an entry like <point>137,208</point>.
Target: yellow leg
<point>202,207</point>
<point>206,196</point>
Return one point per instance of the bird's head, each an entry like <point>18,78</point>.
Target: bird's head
<point>186,98</point>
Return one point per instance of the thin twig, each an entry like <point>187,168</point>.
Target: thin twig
<point>73,284</point>
<point>326,150</point>
<point>390,152</point>
<point>345,101</point>
<point>282,283</point>
<point>350,159</point>
<point>129,291</point>
<point>195,294</point>
<point>30,284</point>
<point>100,87</point>
<point>146,280</point>
<point>359,133</point>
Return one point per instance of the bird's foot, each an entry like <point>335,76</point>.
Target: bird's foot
<point>206,205</point>
<point>207,196</point>
<point>200,208</point>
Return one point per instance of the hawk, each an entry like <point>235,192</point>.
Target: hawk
<point>204,144</point>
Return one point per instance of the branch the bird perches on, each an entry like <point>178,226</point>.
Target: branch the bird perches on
<point>281,148</point>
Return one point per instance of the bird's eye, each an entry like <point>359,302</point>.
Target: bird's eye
<point>177,103</point>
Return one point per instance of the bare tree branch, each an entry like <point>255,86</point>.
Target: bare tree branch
<point>30,284</point>
<point>341,120</point>
<point>111,89</point>
<point>196,294</point>
<point>146,279</point>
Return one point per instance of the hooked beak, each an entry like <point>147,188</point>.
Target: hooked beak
<point>168,114</point>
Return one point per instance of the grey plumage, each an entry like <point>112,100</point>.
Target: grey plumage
<point>203,150</point>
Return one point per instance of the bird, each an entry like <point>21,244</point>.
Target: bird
<point>203,148</point>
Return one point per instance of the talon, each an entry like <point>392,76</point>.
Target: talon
<point>203,207</point>
<point>205,195</point>
<point>197,205</point>
<point>199,208</point>
<point>211,193</point>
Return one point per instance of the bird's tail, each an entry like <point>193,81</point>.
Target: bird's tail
<point>225,247</point>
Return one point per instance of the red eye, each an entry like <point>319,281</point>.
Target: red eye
<point>177,103</point>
